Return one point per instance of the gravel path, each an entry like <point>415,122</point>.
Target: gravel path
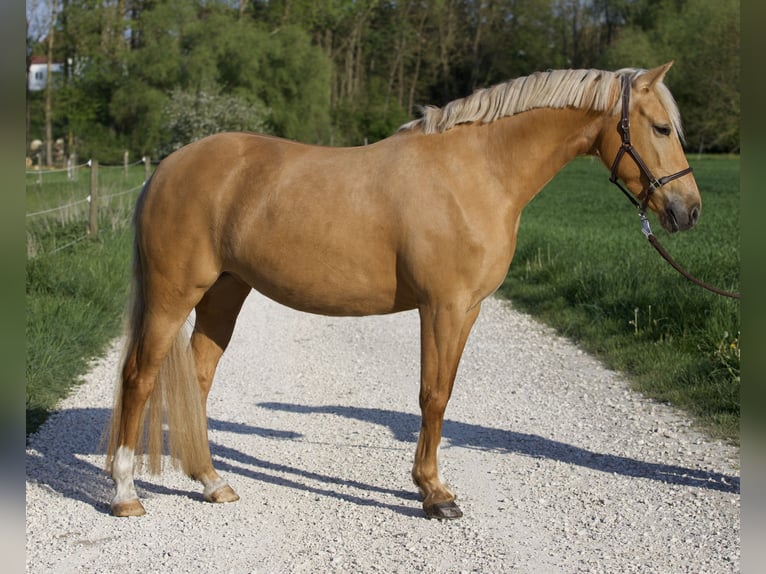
<point>556,464</point>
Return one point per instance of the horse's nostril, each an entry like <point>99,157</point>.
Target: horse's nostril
<point>694,214</point>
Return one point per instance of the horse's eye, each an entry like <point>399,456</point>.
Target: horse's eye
<point>662,130</point>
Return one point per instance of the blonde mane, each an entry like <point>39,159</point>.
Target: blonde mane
<point>595,90</point>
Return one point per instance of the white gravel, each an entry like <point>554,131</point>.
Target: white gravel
<point>556,464</point>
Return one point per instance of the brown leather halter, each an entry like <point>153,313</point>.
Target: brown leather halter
<point>628,148</point>
<point>654,184</point>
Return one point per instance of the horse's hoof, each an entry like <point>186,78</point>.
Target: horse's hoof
<point>128,508</point>
<point>224,494</point>
<point>443,510</point>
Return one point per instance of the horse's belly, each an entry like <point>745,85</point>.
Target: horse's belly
<point>321,287</point>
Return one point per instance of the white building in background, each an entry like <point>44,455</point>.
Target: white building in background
<point>38,73</point>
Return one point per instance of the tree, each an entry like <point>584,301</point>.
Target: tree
<point>296,86</point>
<point>703,39</point>
<point>350,71</point>
<point>632,48</point>
<point>52,10</point>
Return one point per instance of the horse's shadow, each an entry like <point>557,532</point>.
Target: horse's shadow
<point>56,456</point>
<point>404,427</point>
<point>57,461</point>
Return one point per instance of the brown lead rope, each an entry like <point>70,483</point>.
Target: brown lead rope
<point>665,255</point>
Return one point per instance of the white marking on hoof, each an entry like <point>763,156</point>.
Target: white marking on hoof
<point>122,474</point>
<point>212,487</point>
<point>218,490</point>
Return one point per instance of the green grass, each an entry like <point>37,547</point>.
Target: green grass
<point>74,306</point>
<point>583,266</point>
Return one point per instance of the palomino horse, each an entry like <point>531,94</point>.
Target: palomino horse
<point>425,219</point>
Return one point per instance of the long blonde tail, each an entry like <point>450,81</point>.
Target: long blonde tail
<point>175,398</point>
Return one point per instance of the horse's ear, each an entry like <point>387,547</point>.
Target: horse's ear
<point>648,79</point>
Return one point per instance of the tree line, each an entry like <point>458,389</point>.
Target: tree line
<point>152,75</point>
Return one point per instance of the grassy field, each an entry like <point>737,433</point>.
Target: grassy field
<point>76,286</point>
<point>582,265</point>
<point>74,304</point>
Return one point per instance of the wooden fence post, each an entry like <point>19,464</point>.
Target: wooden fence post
<point>125,161</point>
<point>147,167</point>
<point>93,219</point>
<point>71,167</point>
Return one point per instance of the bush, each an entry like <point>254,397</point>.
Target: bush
<point>192,115</point>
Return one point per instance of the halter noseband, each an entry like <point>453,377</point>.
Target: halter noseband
<point>628,148</point>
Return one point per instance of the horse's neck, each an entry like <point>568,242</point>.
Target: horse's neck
<point>532,147</point>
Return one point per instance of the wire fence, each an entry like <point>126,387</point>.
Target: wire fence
<point>106,197</point>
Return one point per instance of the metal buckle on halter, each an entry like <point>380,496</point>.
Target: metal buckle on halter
<point>625,126</point>
<point>654,185</point>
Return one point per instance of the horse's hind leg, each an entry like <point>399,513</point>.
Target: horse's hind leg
<point>444,331</point>
<point>216,315</point>
<point>139,378</point>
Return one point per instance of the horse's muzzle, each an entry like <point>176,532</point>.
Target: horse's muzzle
<point>678,216</point>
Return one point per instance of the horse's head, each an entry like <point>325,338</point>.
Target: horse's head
<point>642,147</point>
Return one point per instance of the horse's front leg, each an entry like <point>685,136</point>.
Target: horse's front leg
<point>444,330</point>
